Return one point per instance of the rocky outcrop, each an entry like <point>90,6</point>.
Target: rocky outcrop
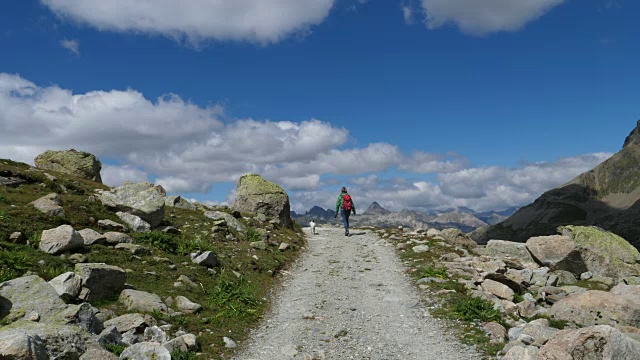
<point>607,196</point>
<point>144,200</point>
<point>259,196</point>
<point>77,163</point>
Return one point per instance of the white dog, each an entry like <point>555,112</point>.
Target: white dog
<point>313,227</point>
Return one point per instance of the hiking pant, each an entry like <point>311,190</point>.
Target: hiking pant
<point>345,218</point>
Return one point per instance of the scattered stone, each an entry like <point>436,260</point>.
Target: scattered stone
<point>61,239</point>
<point>259,245</point>
<point>207,259</point>
<point>228,343</point>
<point>522,353</point>
<point>133,248</point>
<point>497,333</point>
<point>179,202</point>
<point>420,249</point>
<point>114,238</point>
<point>155,334</point>
<point>135,323</point>
<point>111,225</point>
<point>67,286</point>
<point>169,230</point>
<point>229,220</point>
<point>557,252</point>
<point>402,246</point>
<point>77,258</point>
<point>91,237</point>
<point>135,300</point>
<point>594,342</point>
<point>183,342</point>
<point>144,200</point>
<point>500,290</point>
<point>100,281</point>
<point>51,205</point>
<point>283,246</point>
<point>135,222</point>
<point>146,351</point>
<point>185,305</point>
<point>17,238</point>
<point>185,280</point>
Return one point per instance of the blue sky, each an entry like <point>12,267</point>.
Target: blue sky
<point>420,104</point>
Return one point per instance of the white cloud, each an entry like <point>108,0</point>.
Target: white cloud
<point>407,14</point>
<point>487,16</point>
<point>260,21</point>
<point>116,175</point>
<point>72,45</point>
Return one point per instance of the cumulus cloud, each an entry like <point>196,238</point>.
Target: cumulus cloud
<point>72,45</point>
<point>407,14</point>
<point>260,21</point>
<point>487,16</point>
<point>113,175</point>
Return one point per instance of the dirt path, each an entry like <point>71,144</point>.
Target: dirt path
<point>348,298</point>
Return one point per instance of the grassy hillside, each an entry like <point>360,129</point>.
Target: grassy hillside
<point>233,296</point>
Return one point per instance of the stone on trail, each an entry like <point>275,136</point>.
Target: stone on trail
<point>77,163</point>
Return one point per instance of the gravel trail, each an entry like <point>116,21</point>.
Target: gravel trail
<point>348,298</point>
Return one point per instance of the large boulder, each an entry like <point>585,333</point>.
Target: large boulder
<point>259,196</point>
<point>21,296</point>
<point>604,253</point>
<point>557,252</point>
<point>144,200</point>
<point>19,345</point>
<point>72,162</point>
<point>100,281</point>
<point>594,342</point>
<point>61,239</point>
<point>60,340</point>
<point>51,205</point>
<point>508,250</point>
<point>620,306</point>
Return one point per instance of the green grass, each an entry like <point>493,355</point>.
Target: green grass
<point>252,234</point>
<point>183,355</point>
<point>115,349</point>
<point>432,271</point>
<point>471,308</point>
<point>231,305</point>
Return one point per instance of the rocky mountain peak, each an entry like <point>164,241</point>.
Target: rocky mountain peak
<point>376,209</point>
<point>634,137</point>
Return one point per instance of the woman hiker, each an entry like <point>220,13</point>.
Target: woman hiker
<point>345,205</point>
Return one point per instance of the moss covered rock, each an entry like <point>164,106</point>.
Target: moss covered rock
<point>259,196</point>
<point>604,253</point>
<point>77,163</point>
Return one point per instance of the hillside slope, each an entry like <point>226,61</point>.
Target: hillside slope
<point>606,196</point>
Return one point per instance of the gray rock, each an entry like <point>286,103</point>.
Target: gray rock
<point>185,305</point>
<point>229,220</point>
<point>61,341</point>
<point>185,280</point>
<point>522,353</point>
<point>540,331</point>
<point>621,305</point>
<point>259,196</point>
<point>228,343</point>
<point>133,248</point>
<point>283,246</point>
<point>85,316</point>
<point>135,300</point>
<point>97,353</point>
<point>111,225</point>
<point>508,250</point>
<point>420,249</point>
<point>497,333</point>
<point>134,222</point>
<point>207,259</point>
<point>184,342</point>
<point>114,238</point>
<point>155,334</point>
<point>91,237</point>
<point>146,351</point>
<point>586,275</point>
<point>23,295</point>
<point>100,281</point>
<point>11,181</point>
<point>77,258</point>
<point>594,342</point>
<point>259,245</point>
<point>557,252</point>
<point>61,239</point>
<point>77,163</point>
<point>135,323</point>
<point>50,205</point>
<point>142,199</point>
<point>67,286</point>
<point>17,238</point>
<point>498,289</point>
<point>110,335</point>
<point>169,230</point>
<point>564,278</point>
<point>16,344</point>
<point>179,202</point>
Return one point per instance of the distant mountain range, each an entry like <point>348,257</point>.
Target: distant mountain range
<point>462,218</point>
<point>607,196</point>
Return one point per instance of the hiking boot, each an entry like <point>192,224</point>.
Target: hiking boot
<point>346,233</point>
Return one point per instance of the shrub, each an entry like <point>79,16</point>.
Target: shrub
<point>183,355</point>
<point>158,239</point>
<point>471,308</point>
<point>234,296</point>
<point>115,349</point>
<point>187,246</point>
<point>437,272</point>
<point>253,234</point>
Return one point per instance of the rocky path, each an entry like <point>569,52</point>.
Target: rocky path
<point>348,298</point>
